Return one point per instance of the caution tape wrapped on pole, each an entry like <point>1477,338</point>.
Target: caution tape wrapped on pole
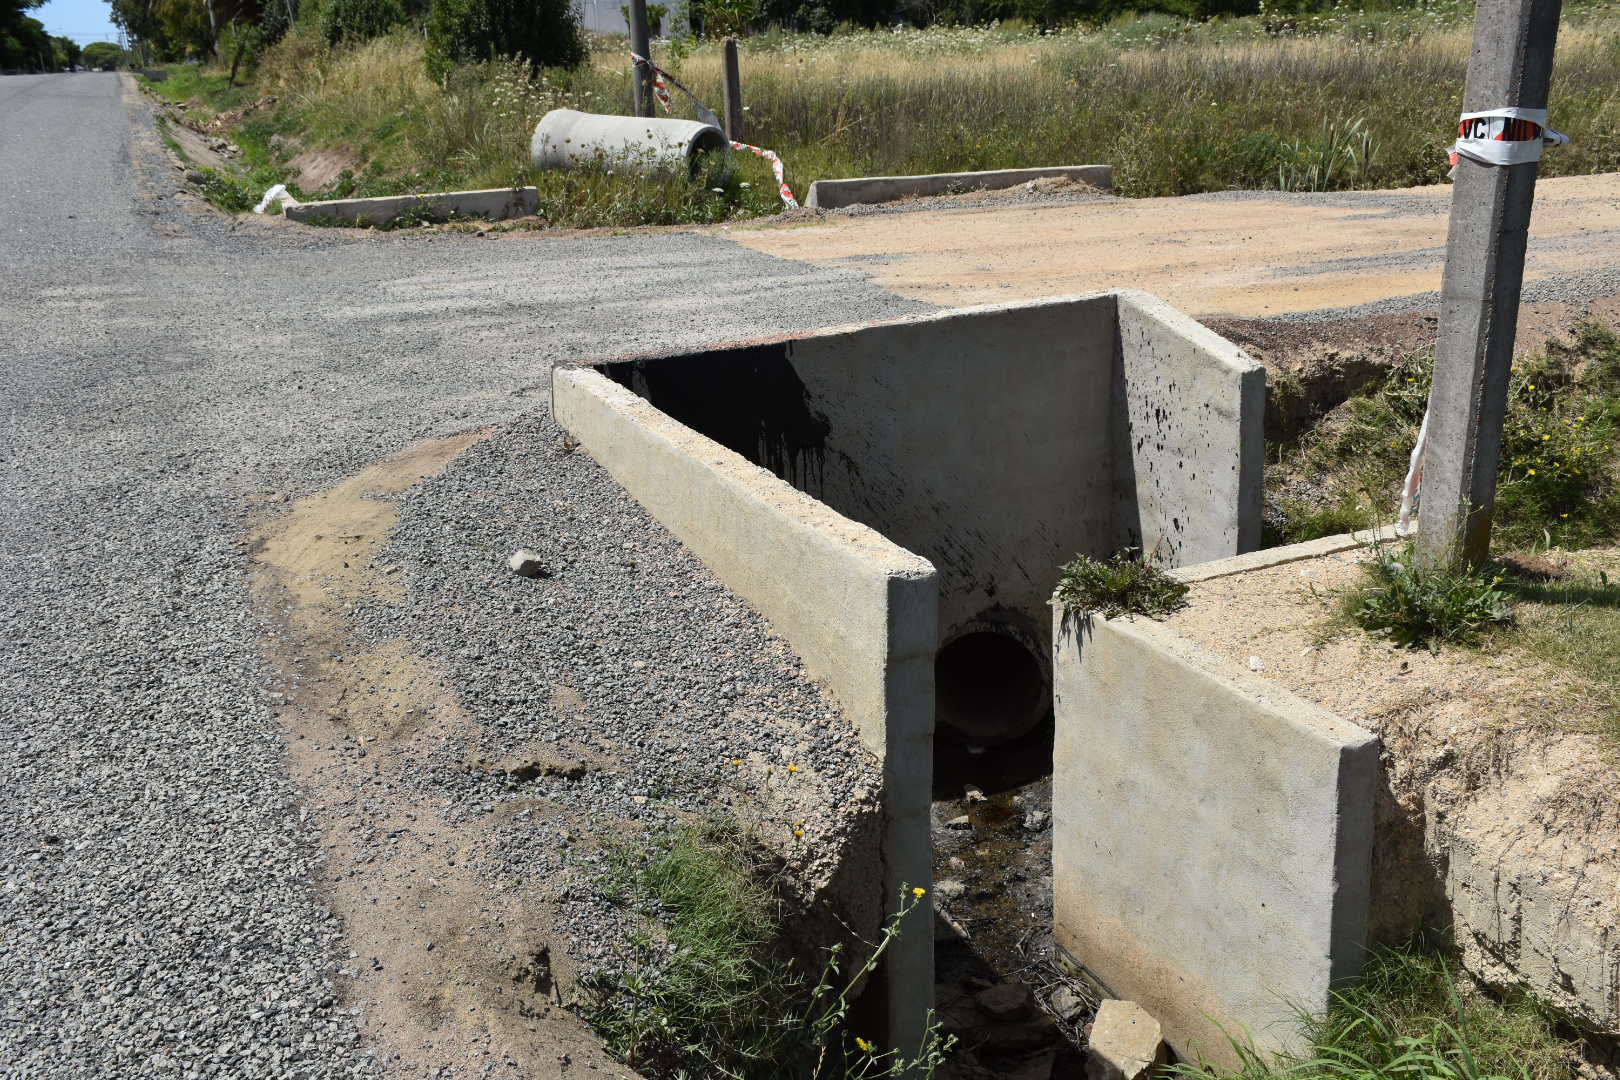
<point>663,80</point>
<point>1510,136</point>
<point>1501,137</point>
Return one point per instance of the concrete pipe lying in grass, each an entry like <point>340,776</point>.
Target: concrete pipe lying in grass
<point>566,138</point>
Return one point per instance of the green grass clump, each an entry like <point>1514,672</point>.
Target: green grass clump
<point>1122,584</point>
<point>1559,480</point>
<point>1409,1016</point>
<point>1412,605</point>
<point>712,986</point>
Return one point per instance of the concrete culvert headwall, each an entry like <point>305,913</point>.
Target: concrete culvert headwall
<point>897,499</point>
<point>567,138</point>
<point>996,442</point>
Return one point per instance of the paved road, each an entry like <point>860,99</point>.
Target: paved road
<point>164,372</point>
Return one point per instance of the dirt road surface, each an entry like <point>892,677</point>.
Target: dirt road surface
<point>1247,254</point>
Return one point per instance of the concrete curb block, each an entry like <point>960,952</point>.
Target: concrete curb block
<point>493,204</point>
<point>1280,556</point>
<point>832,194</point>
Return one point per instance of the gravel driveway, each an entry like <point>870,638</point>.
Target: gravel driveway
<point>171,382</point>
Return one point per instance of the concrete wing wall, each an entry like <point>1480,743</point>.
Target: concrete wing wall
<point>858,609</point>
<point>1189,441</point>
<point>1212,836</point>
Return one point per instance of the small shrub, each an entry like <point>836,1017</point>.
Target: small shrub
<point>363,19</point>
<point>1412,605</point>
<point>1123,584</point>
<point>543,33</point>
<point>1408,1015</point>
<point>711,987</point>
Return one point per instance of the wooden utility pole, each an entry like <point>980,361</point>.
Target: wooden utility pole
<point>1510,65</point>
<point>731,93</point>
<point>640,44</point>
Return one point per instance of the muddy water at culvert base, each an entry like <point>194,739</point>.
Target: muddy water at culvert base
<point>993,886</point>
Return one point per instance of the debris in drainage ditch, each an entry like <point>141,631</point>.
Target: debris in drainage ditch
<point>1126,1043</point>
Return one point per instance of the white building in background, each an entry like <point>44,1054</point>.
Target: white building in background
<point>607,16</point>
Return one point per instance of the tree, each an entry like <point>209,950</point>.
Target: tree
<point>103,56</point>
<point>66,53</point>
<point>543,32</point>
<point>24,44</point>
<point>360,18</point>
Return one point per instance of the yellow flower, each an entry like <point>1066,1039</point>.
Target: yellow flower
<point>793,768</point>
<point>919,892</point>
<point>1532,386</point>
<point>798,834</point>
<point>1544,438</point>
<point>1532,472</point>
<point>737,762</point>
<point>865,1046</point>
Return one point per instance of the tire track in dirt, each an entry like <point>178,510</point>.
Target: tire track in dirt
<point>444,969</point>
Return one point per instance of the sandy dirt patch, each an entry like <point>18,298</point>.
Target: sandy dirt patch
<point>1245,256</point>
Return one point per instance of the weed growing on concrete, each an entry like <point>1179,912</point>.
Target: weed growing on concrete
<point>711,986</point>
<point>1412,1015</point>
<point>1412,605</point>
<point>1122,584</point>
<point>1559,482</point>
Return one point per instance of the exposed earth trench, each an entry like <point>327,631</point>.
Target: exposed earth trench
<point>298,780</point>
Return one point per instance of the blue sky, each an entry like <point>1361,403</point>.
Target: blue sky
<point>82,20</point>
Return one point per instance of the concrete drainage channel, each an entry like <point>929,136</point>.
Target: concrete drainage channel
<point>896,499</point>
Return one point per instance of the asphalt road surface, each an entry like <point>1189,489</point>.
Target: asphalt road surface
<point>163,372</point>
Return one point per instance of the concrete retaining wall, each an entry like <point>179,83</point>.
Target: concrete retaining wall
<point>494,204</point>
<point>859,610</point>
<point>1212,836</point>
<point>832,194</point>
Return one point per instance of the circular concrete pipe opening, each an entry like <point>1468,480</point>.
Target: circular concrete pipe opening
<point>710,155</point>
<point>988,687</point>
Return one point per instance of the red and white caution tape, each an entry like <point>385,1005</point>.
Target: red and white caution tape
<point>1511,136</point>
<point>663,80</point>
<point>776,167</point>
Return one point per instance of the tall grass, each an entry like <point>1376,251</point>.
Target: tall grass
<point>1410,1016</point>
<point>1341,100</point>
<point>1559,481</point>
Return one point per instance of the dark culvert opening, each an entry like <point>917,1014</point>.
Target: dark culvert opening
<point>988,687</point>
